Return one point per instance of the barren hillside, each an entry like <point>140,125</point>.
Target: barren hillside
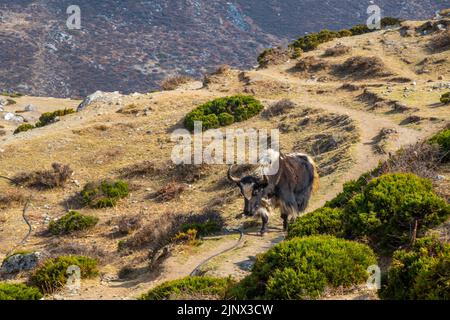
<point>131,45</point>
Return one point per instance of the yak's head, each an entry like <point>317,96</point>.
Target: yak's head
<point>252,188</point>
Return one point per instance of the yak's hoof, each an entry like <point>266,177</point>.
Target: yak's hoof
<point>262,232</point>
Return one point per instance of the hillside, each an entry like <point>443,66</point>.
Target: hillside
<point>130,46</point>
<point>347,129</point>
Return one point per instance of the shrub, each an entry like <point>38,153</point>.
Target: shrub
<point>205,228</point>
<point>128,224</point>
<point>390,21</point>
<point>311,64</point>
<point>10,197</point>
<point>361,66</point>
<point>301,268</point>
<point>441,41</point>
<point>104,194</point>
<point>350,189</point>
<point>222,69</point>
<point>11,95</point>
<point>278,108</point>
<point>71,222</point>
<point>443,140</point>
<point>445,98</point>
<point>345,33</point>
<point>421,273</point>
<point>10,102</point>
<point>273,56</point>
<point>188,288</point>
<point>388,209</point>
<point>225,119</point>
<point>360,29</point>
<point>23,128</point>
<point>312,41</point>
<point>239,107</point>
<point>161,231</point>
<point>169,192</point>
<point>187,237</point>
<point>419,158</point>
<point>46,179</point>
<point>296,53</point>
<point>173,82</point>
<point>142,170</point>
<point>51,117</point>
<point>9,291</point>
<point>337,50</point>
<point>52,275</point>
<point>322,221</point>
<point>187,173</point>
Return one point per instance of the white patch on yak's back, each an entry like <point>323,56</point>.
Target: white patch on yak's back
<point>269,162</point>
<point>299,154</point>
<point>247,190</point>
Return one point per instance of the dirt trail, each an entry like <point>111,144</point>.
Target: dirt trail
<point>180,264</point>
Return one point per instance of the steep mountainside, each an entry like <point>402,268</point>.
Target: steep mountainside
<point>131,45</point>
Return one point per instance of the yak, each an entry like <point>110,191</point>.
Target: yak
<point>289,188</point>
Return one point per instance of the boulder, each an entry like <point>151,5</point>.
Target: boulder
<point>30,107</point>
<point>12,117</point>
<point>20,262</point>
<point>103,97</point>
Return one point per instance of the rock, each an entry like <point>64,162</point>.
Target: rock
<point>441,78</point>
<point>3,102</point>
<point>441,85</point>
<point>103,97</point>
<point>411,119</point>
<point>20,262</point>
<point>30,107</point>
<point>12,117</point>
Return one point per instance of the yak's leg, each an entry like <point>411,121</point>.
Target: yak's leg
<point>285,216</point>
<point>288,210</point>
<point>265,221</point>
<point>285,222</point>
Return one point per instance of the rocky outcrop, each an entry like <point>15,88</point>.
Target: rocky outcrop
<point>101,97</point>
<point>20,262</point>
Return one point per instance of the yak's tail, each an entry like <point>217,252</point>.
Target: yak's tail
<point>315,177</point>
<point>313,173</point>
<point>311,186</point>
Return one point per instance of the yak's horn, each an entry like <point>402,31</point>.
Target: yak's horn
<point>231,177</point>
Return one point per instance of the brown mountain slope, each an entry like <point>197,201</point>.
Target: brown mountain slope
<point>131,45</point>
